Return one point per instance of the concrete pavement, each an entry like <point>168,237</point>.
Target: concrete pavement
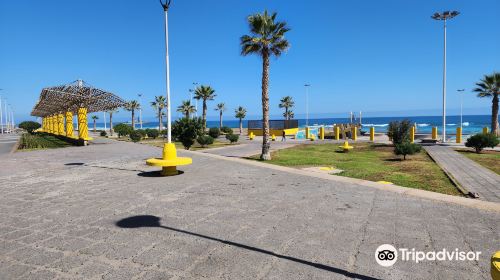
<point>7,143</point>
<point>99,212</point>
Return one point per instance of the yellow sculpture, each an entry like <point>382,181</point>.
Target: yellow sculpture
<point>346,147</point>
<point>83,129</point>
<point>69,124</point>
<point>169,161</point>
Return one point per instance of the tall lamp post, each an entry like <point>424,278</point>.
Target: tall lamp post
<point>140,108</point>
<point>444,16</point>
<point>461,91</point>
<point>307,103</point>
<point>165,6</point>
<point>1,114</point>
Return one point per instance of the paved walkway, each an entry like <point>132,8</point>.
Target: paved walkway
<point>99,212</point>
<point>7,143</point>
<point>470,175</point>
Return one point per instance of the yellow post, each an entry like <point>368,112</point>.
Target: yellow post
<point>412,134</point>
<point>434,133</point>
<point>354,133</point>
<point>485,130</point>
<point>83,129</point>
<point>52,129</point>
<point>459,135</point>
<point>372,133</point>
<point>337,132</point>
<point>307,132</point>
<point>273,137</point>
<point>69,124</point>
<point>322,133</point>
<point>60,123</point>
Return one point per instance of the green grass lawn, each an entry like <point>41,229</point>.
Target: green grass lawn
<point>41,141</point>
<point>374,162</point>
<point>488,159</point>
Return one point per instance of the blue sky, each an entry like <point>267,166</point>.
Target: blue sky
<point>380,57</point>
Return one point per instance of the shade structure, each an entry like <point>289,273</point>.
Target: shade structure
<point>75,95</point>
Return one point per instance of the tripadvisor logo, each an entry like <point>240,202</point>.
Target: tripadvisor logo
<point>386,255</point>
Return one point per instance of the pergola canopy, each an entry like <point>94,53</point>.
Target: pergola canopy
<point>70,97</point>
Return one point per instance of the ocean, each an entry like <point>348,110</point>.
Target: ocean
<point>471,123</point>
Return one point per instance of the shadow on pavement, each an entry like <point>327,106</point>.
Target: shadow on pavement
<point>153,221</point>
<point>157,173</point>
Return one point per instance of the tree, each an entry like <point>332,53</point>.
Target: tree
<point>267,38</point>
<point>406,148</point>
<point>204,93</point>
<point>482,140</point>
<point>186,108</point>
<point>289,115</point>
<point>399,131</point>
<point>132,106</point>
<point>95,118</point>
<point>186,131</point>
<point>221,107</point>
<point>287,103</point>
<point>29,126</point>
<point>489,86</point>
<point>240,114</point>
<point>111,112</point>
<point>159,104</point>
<point>123,129</point>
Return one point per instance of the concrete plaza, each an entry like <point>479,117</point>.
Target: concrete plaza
<point>99,212</point>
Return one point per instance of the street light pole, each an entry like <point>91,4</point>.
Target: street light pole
<point>140,108</point>
<point>307,103</point>
<point>1,117</point>
<point>461,105</point>
<point>444,17</point>
<point>165,6</point>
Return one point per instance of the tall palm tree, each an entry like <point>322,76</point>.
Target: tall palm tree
<point>288,115</point>
<point>111,112</point>
<point>287,103</point>
<point>133,106</point>
<point>489,86</point>
<point>221,107</point>
<point>186,108</point>
<point>204,93</point>
<point>240,113</point>
<point>267,38</point>
<point>159,104</point>
<point>95,118</point>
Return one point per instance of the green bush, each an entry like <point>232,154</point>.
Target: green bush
<point>406,148</point>
<point>399,131</point>
<point>152,133</point>
<point>186,130</point>
<point>29,126</point>
<point>205,140</point>
<point>135,136</point>
<point>164,132</point>
<point>227,130</point>
<point>123,129</point>
<point>41,141</point>
<point>142,132</point>
<point>214,132</point>
<point>103,133</point>
<point>482,140</point>
<point>233,138</point>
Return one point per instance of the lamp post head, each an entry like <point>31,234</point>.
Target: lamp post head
<point>165,5</point>
<point>445,15</point>
<point>460,89</point>
<point>307,85</point>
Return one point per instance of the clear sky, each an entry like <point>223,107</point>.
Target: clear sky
<point>383,56</point>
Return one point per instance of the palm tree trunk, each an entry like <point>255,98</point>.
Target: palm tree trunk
<point>266,145</point>
<point>220,119</point>
<point>94,126</point>
<point>133,119</point>
<point>494,116</point>
<point>204,115</point>
<point>159,120</point>
<point>241,126</point>
<point>286,113</point>
<point>186,114</point>
<point>111,124</point>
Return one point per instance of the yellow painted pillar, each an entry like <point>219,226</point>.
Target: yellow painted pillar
<point>43,124</point>
<point>354,133</point>
<point>322,133</point>
<point>69,124</point>
<point>434,133</point>
<point>51,125</point>
<point>83,128</point>
<point>337,132</point>
<point>56,125</point>
<point>412,134</point>
<point>485,130</point>
<point>307,132</point>
<point>60,123</point>
<point>372,133</point>
<point>459,135</point>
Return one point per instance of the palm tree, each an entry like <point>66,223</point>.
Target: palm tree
<point>186,108</point>
<point>95,118</point>
<point>204,93</point>
<point>111,112</point>
<point>287,103</point>
<point>489,86</point>
<point>221,107</point>
<point>267,38</point>
<point>159,104</point>
<point>240,113</point>
<point>132,106</point>
<point>288,115</point>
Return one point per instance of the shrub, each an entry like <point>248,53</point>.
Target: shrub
<point>205,140</point>
<point>123,129</point>
<point>214,132</point>
<point>227,130</point>
<point>29,126</point>
<point>406,148</point>
<point>233,138</point>
<point>142,132</point>
<point>152,133</point>
<point>482,140</point>
<point>135,136</point>
<point>399,132</point>
<point>186,130</point>
<point>103,133</point>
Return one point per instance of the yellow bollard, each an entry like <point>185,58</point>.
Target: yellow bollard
<point>60,123</point>
<point>251,136</point>
<point>307,133</point>
<point>83,129</point>
<point>169,160</point>
<point>313,137</point>
<point>485,130</point>
<point>372,133</point>
<point>412,134</point>
<point>337,132</point>
<point>69,124</point>
<point>459,135</point>
<point>273,137</point>
<point>322,133</point>
<point>354,133</point>
<point>434,133</point>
